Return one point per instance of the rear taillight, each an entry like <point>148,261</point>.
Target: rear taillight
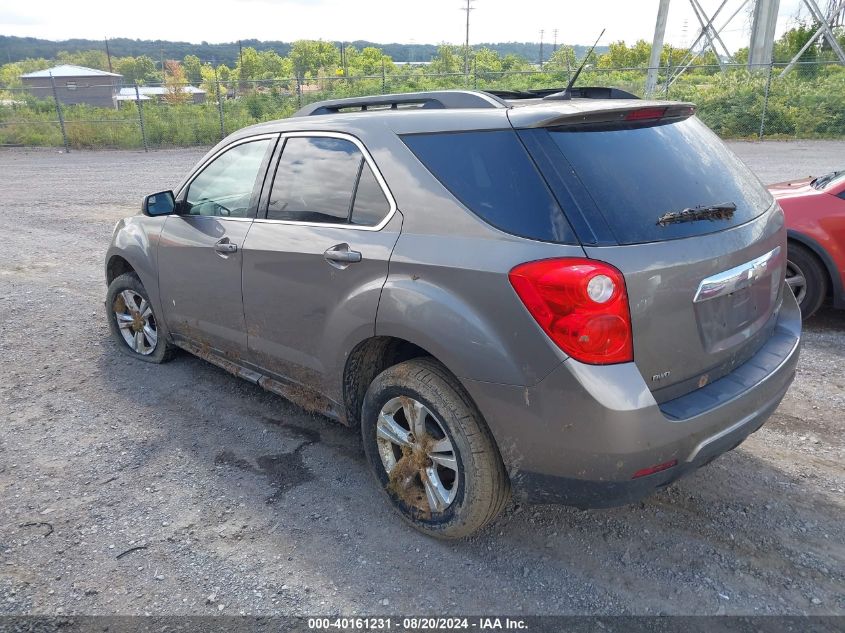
<point>581,304</point>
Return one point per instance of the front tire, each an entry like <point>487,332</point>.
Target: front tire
<point>806,277</point>
<point>132,322</point>
<point>431,451</point>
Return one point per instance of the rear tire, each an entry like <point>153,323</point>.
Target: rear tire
<point>806,277</point>
<point>447,480</point>
<point>133,323</point>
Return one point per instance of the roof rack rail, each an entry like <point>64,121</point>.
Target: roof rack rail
<point>435,99</point>
<point>585,92</point>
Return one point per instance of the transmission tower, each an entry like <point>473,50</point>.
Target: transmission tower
<point>834,16</point>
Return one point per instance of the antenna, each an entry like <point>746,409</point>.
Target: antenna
<point>583,63</point>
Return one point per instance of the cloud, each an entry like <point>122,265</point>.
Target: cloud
<point>11,18</point>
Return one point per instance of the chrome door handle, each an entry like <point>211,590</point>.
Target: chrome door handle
<point>341,254</point>
<point>225,246</point>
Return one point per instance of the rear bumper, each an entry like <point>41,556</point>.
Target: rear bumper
<point>579,435</point>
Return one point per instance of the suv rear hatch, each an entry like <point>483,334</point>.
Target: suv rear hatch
<point>701,244</point>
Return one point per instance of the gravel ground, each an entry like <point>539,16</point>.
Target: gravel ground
<point>243,503</point>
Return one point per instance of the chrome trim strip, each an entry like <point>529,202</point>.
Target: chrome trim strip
<point>379,178</point>
<point>738,277</point>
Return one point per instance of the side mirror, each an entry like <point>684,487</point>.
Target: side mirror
<point>161,203</point>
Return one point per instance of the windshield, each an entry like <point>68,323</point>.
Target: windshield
<point>823,181</point>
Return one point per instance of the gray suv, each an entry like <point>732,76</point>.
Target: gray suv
<point>575,296</point>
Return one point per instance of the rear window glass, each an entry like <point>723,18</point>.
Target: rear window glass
<point>495,178</point>
<point>636,175</point>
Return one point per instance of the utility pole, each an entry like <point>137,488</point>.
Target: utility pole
<point>468,8</point>
<point>108,54</point>
<point>541,48</point>
<point>554,46</point>
<point>163,71</point>
<point>240,54</point>
<point>657,48</point>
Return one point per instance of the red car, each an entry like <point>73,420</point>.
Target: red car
<point>815,218</point>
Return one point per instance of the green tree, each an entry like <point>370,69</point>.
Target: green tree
<point>89,59</point>
<point>249,65</point>
<point>447,60</point>
<point>791,42</point>
<point>563,59</point>
<point>10,73</point>
<point>140,69</point>
<point>370,61</point>
<point>274,66</point>
<point>309,57</point>
<point>486,60</point>
<point>192,66</point>
<point>620,55</point>
<point>513,63</point>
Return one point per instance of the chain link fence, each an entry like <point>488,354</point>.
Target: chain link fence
<point>737,102</point>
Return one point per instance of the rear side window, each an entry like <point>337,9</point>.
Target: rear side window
<point>636,175</point>
<point>494,177</point>
<point>325,180</point>
<point>315,180</point>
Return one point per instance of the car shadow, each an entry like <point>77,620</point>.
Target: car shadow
<point>826,319</point>
<point>302,481</point>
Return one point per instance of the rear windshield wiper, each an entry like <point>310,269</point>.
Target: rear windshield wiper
<point>711,212</point>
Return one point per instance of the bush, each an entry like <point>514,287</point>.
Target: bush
<point>731,102</point>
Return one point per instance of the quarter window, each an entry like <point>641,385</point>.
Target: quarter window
<point>370,205</point>
<point>224,188</point>
<point>325,180</point>
<point>493,176</point>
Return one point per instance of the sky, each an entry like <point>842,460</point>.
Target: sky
<point>383,21</point>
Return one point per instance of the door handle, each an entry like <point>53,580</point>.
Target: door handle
<point>340,254</point>
<point>225,246</point>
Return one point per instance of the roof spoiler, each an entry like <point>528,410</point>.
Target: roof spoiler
<point>615,115</point>
<point>561,94</point>
<point>435,99</point>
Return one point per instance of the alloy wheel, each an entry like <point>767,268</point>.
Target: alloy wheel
<point>420,461</point>
<point>136,322</point>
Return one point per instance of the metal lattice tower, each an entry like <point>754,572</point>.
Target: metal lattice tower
<point>833,16</point>
<point>763,28</point>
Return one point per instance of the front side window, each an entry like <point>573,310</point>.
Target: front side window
<point>224,188</point>
<point>325,180</point>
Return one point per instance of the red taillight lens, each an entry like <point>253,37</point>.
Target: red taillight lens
<point>581,304</point>
<point>646,113</point>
